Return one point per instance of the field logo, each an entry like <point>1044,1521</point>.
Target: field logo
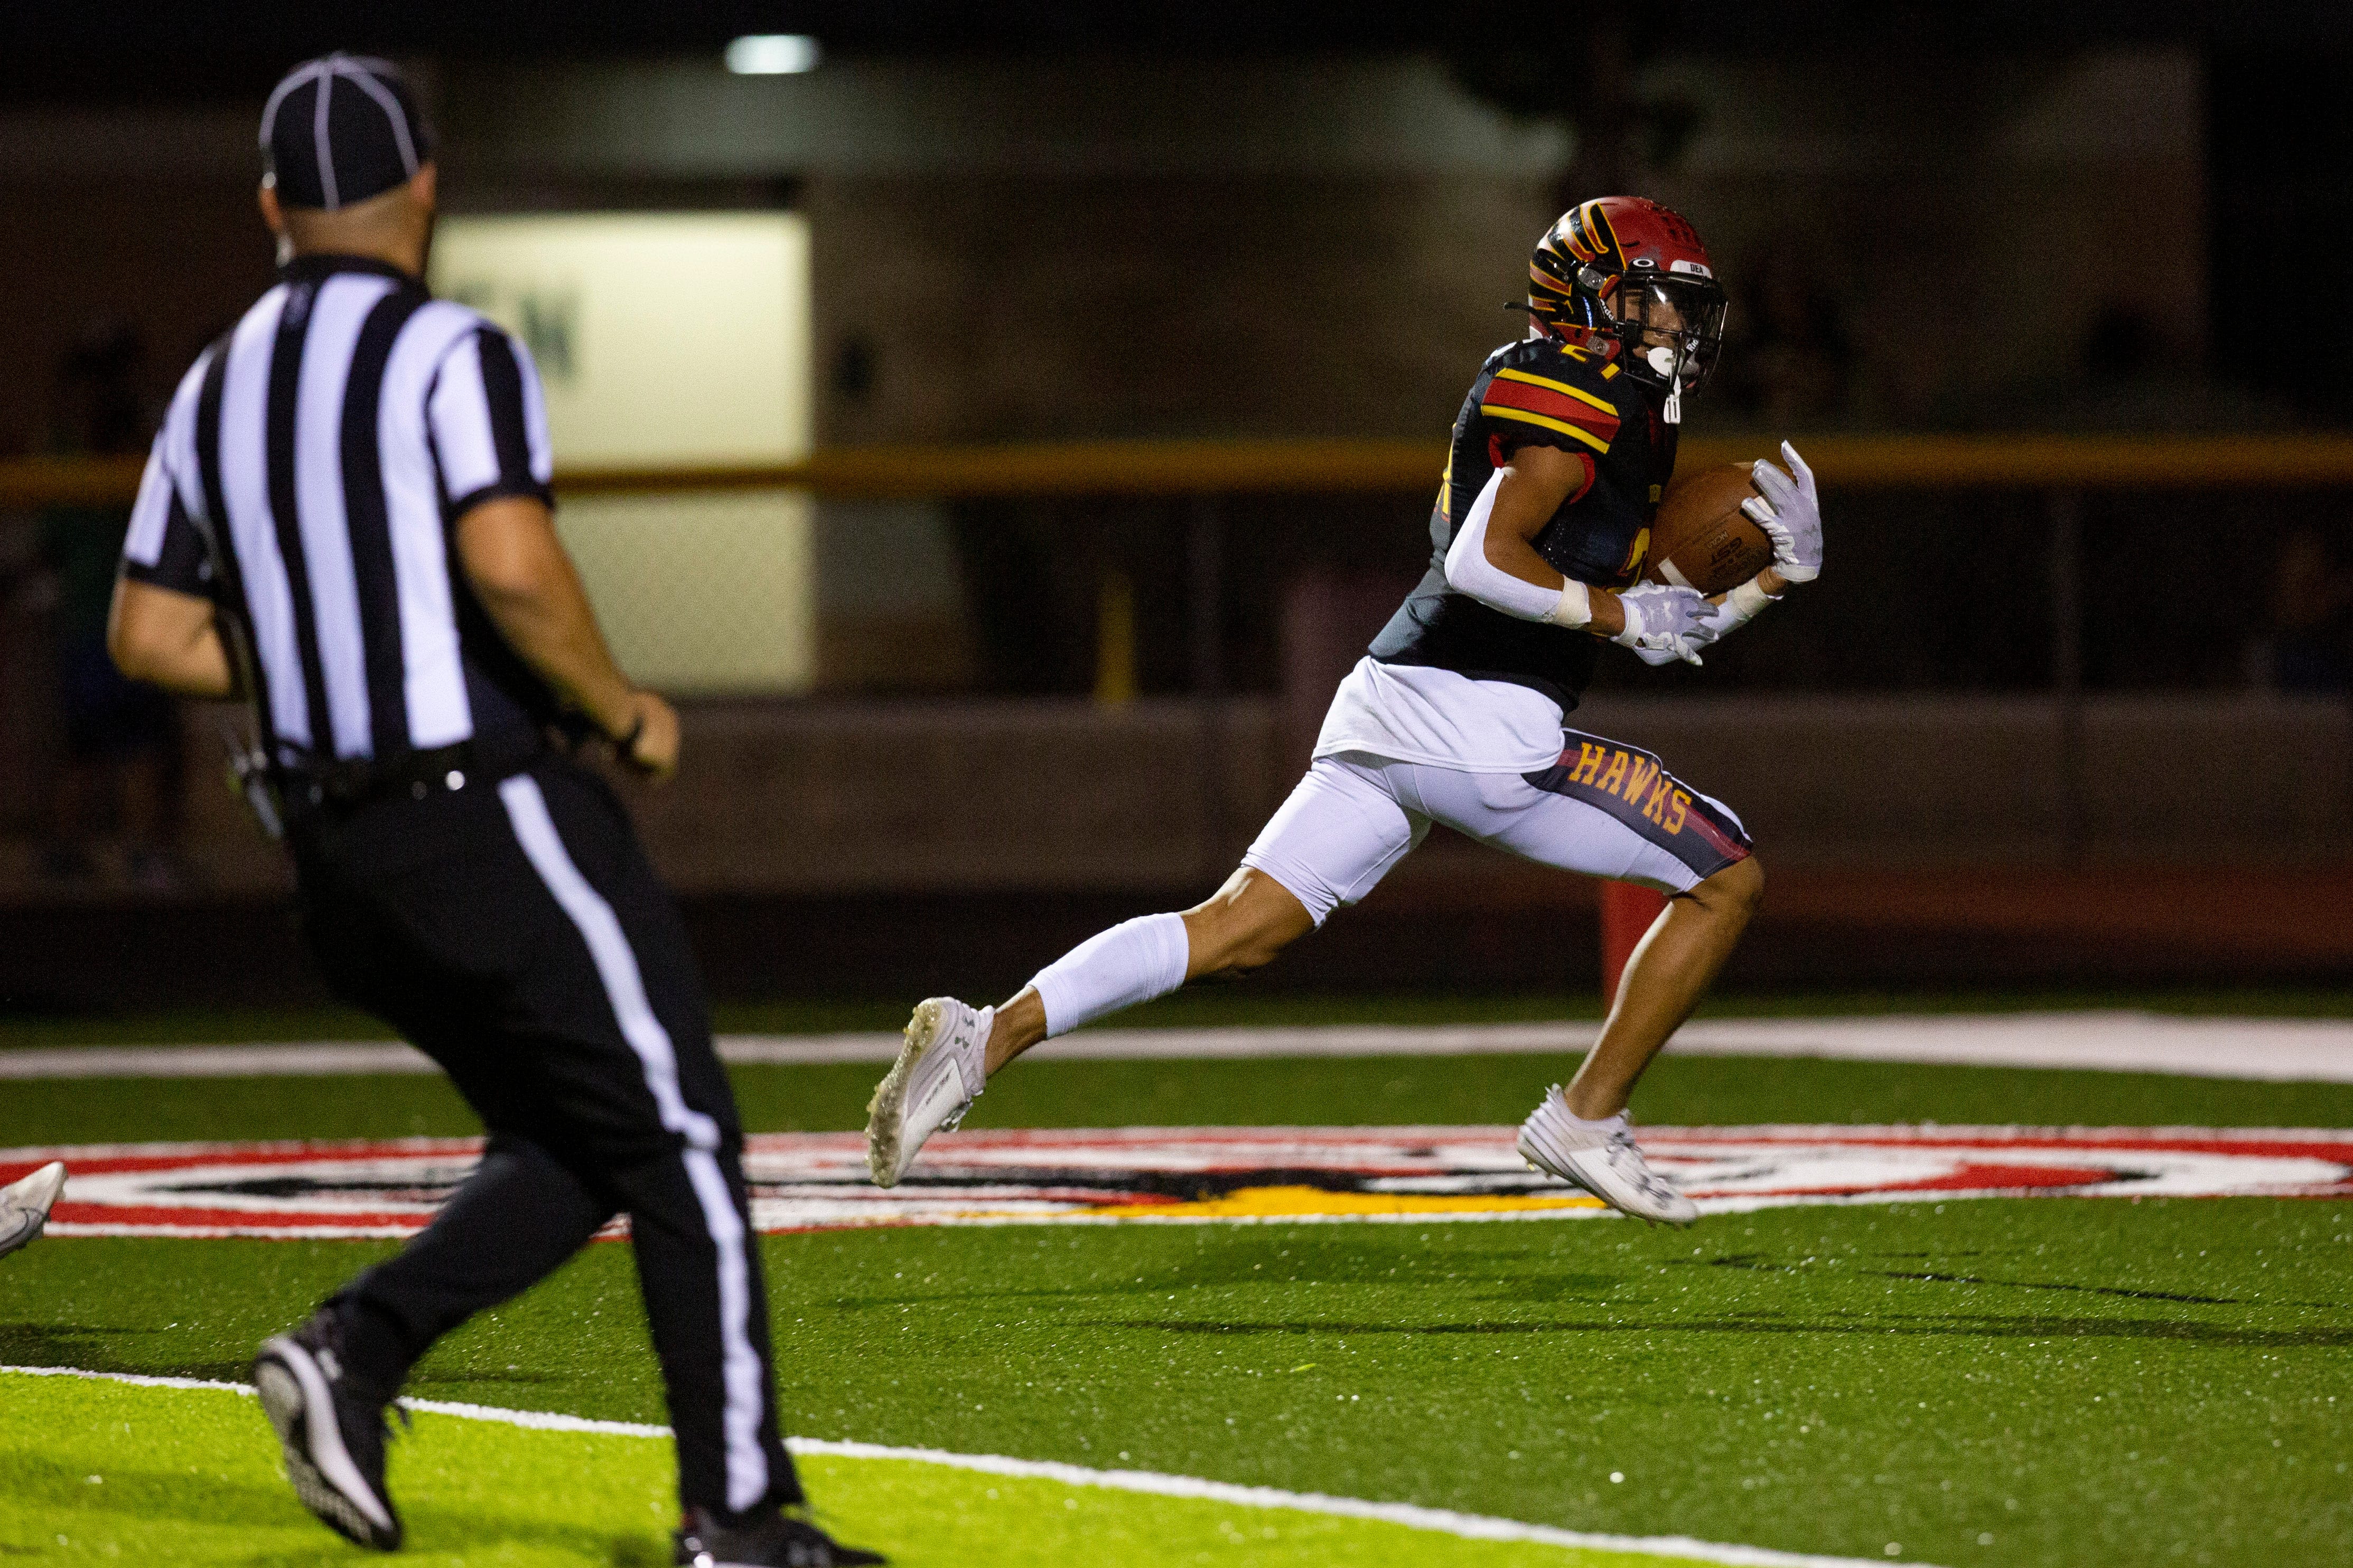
<point>816,1181</point>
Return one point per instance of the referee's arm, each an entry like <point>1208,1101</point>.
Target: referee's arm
<point>160,629</point>
<point>519,570</point>
<point>169,639</point>
<point>525,583</point>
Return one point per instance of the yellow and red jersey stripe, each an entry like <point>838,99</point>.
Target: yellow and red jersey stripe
<point>1530,399</point>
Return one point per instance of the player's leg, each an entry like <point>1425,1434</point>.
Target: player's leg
<point>1329,843</point>
<point>1612,811</point>
<point>1671,967</point>
<point>1243,926</point>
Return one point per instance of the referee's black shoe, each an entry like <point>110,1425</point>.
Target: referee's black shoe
<point>333,1435</point>
<point>782,1538</point>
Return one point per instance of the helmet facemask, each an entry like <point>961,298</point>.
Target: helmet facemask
<point>1671,325</point>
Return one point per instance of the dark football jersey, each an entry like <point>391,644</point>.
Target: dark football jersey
<point>1539,392</point>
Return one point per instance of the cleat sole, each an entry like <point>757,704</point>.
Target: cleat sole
<point>292,1393</point>
<point>886,1109</point>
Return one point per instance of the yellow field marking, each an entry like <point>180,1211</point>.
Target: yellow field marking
<point>1269,1202</point>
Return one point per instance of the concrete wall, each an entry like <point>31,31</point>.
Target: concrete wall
<point>1898,779</point>
<point>1065,795</point>
<point>962,797</point>
<point>968,796</point>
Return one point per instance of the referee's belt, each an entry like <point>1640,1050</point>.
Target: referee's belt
<point>349,782</point>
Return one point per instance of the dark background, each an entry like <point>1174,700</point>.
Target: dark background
<point>1997,678</point>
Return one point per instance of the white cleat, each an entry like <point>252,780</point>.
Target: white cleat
<point>940,1070</point>
<point>1602,1158</point>
<point>24,1206</point>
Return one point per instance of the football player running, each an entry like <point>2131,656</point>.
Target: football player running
<point>1456,715</point>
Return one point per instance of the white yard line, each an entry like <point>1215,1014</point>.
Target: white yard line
<point>2279,1050</point>
<point>1446,1521</point>
<point>333,1059</point>
<point>2317,1051</point>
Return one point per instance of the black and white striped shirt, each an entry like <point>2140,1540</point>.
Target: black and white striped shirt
<point>328,446</point>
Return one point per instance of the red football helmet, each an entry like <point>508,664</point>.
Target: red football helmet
<point>1626,267</point>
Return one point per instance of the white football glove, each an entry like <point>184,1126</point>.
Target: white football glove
<point>1791,515</point>
<point>1662,621</point>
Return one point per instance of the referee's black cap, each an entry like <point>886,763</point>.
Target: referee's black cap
<point>340,128</point>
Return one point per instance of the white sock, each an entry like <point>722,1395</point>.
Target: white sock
<point>1134,961</point>
<point>1603,1126</point>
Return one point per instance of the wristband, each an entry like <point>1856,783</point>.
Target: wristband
<point>1575,608</point>
<point>1749,600</point>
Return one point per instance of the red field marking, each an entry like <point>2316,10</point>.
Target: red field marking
<point>804,1181</point>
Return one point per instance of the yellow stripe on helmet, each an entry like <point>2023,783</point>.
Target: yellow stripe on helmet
<point>1591,236</point>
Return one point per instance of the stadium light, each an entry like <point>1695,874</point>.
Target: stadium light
<point>772,54</point>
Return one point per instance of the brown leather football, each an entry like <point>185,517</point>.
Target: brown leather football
<point>1701,539</point>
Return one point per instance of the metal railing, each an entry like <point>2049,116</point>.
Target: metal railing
<point>2062,468</point>
<point>2011,461</point>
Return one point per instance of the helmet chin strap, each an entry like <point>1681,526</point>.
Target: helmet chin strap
<point>1670,364</point>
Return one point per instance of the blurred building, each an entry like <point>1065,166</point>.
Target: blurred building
<point>1052,249</point>
<point>929,248</point>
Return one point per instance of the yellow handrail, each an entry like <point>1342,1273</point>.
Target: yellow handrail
<point>69,481</point>
<point>1329,467</point>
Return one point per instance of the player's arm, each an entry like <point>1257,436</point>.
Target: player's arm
<point>1493,559</point>
<point>526,583</point>
<point>169,639</point>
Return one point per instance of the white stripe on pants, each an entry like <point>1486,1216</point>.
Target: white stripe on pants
<point>617,966</point>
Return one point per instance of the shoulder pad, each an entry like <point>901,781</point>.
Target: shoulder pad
<point>1592,364</point>
<point>1555,392</point>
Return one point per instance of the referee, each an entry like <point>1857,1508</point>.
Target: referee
<point>346,519</point>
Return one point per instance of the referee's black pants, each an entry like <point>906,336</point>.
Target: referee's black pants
<point>514,932</point>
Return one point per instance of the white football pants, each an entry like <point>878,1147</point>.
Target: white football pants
<point>1604,809</point>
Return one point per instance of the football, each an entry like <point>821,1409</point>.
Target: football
<point>1701,539</point>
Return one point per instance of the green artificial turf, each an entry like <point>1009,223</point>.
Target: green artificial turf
<point>1043,1092</point>
<point>2059,1381</point>
<point>2054,1382</point>
<point>187,1476</point>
